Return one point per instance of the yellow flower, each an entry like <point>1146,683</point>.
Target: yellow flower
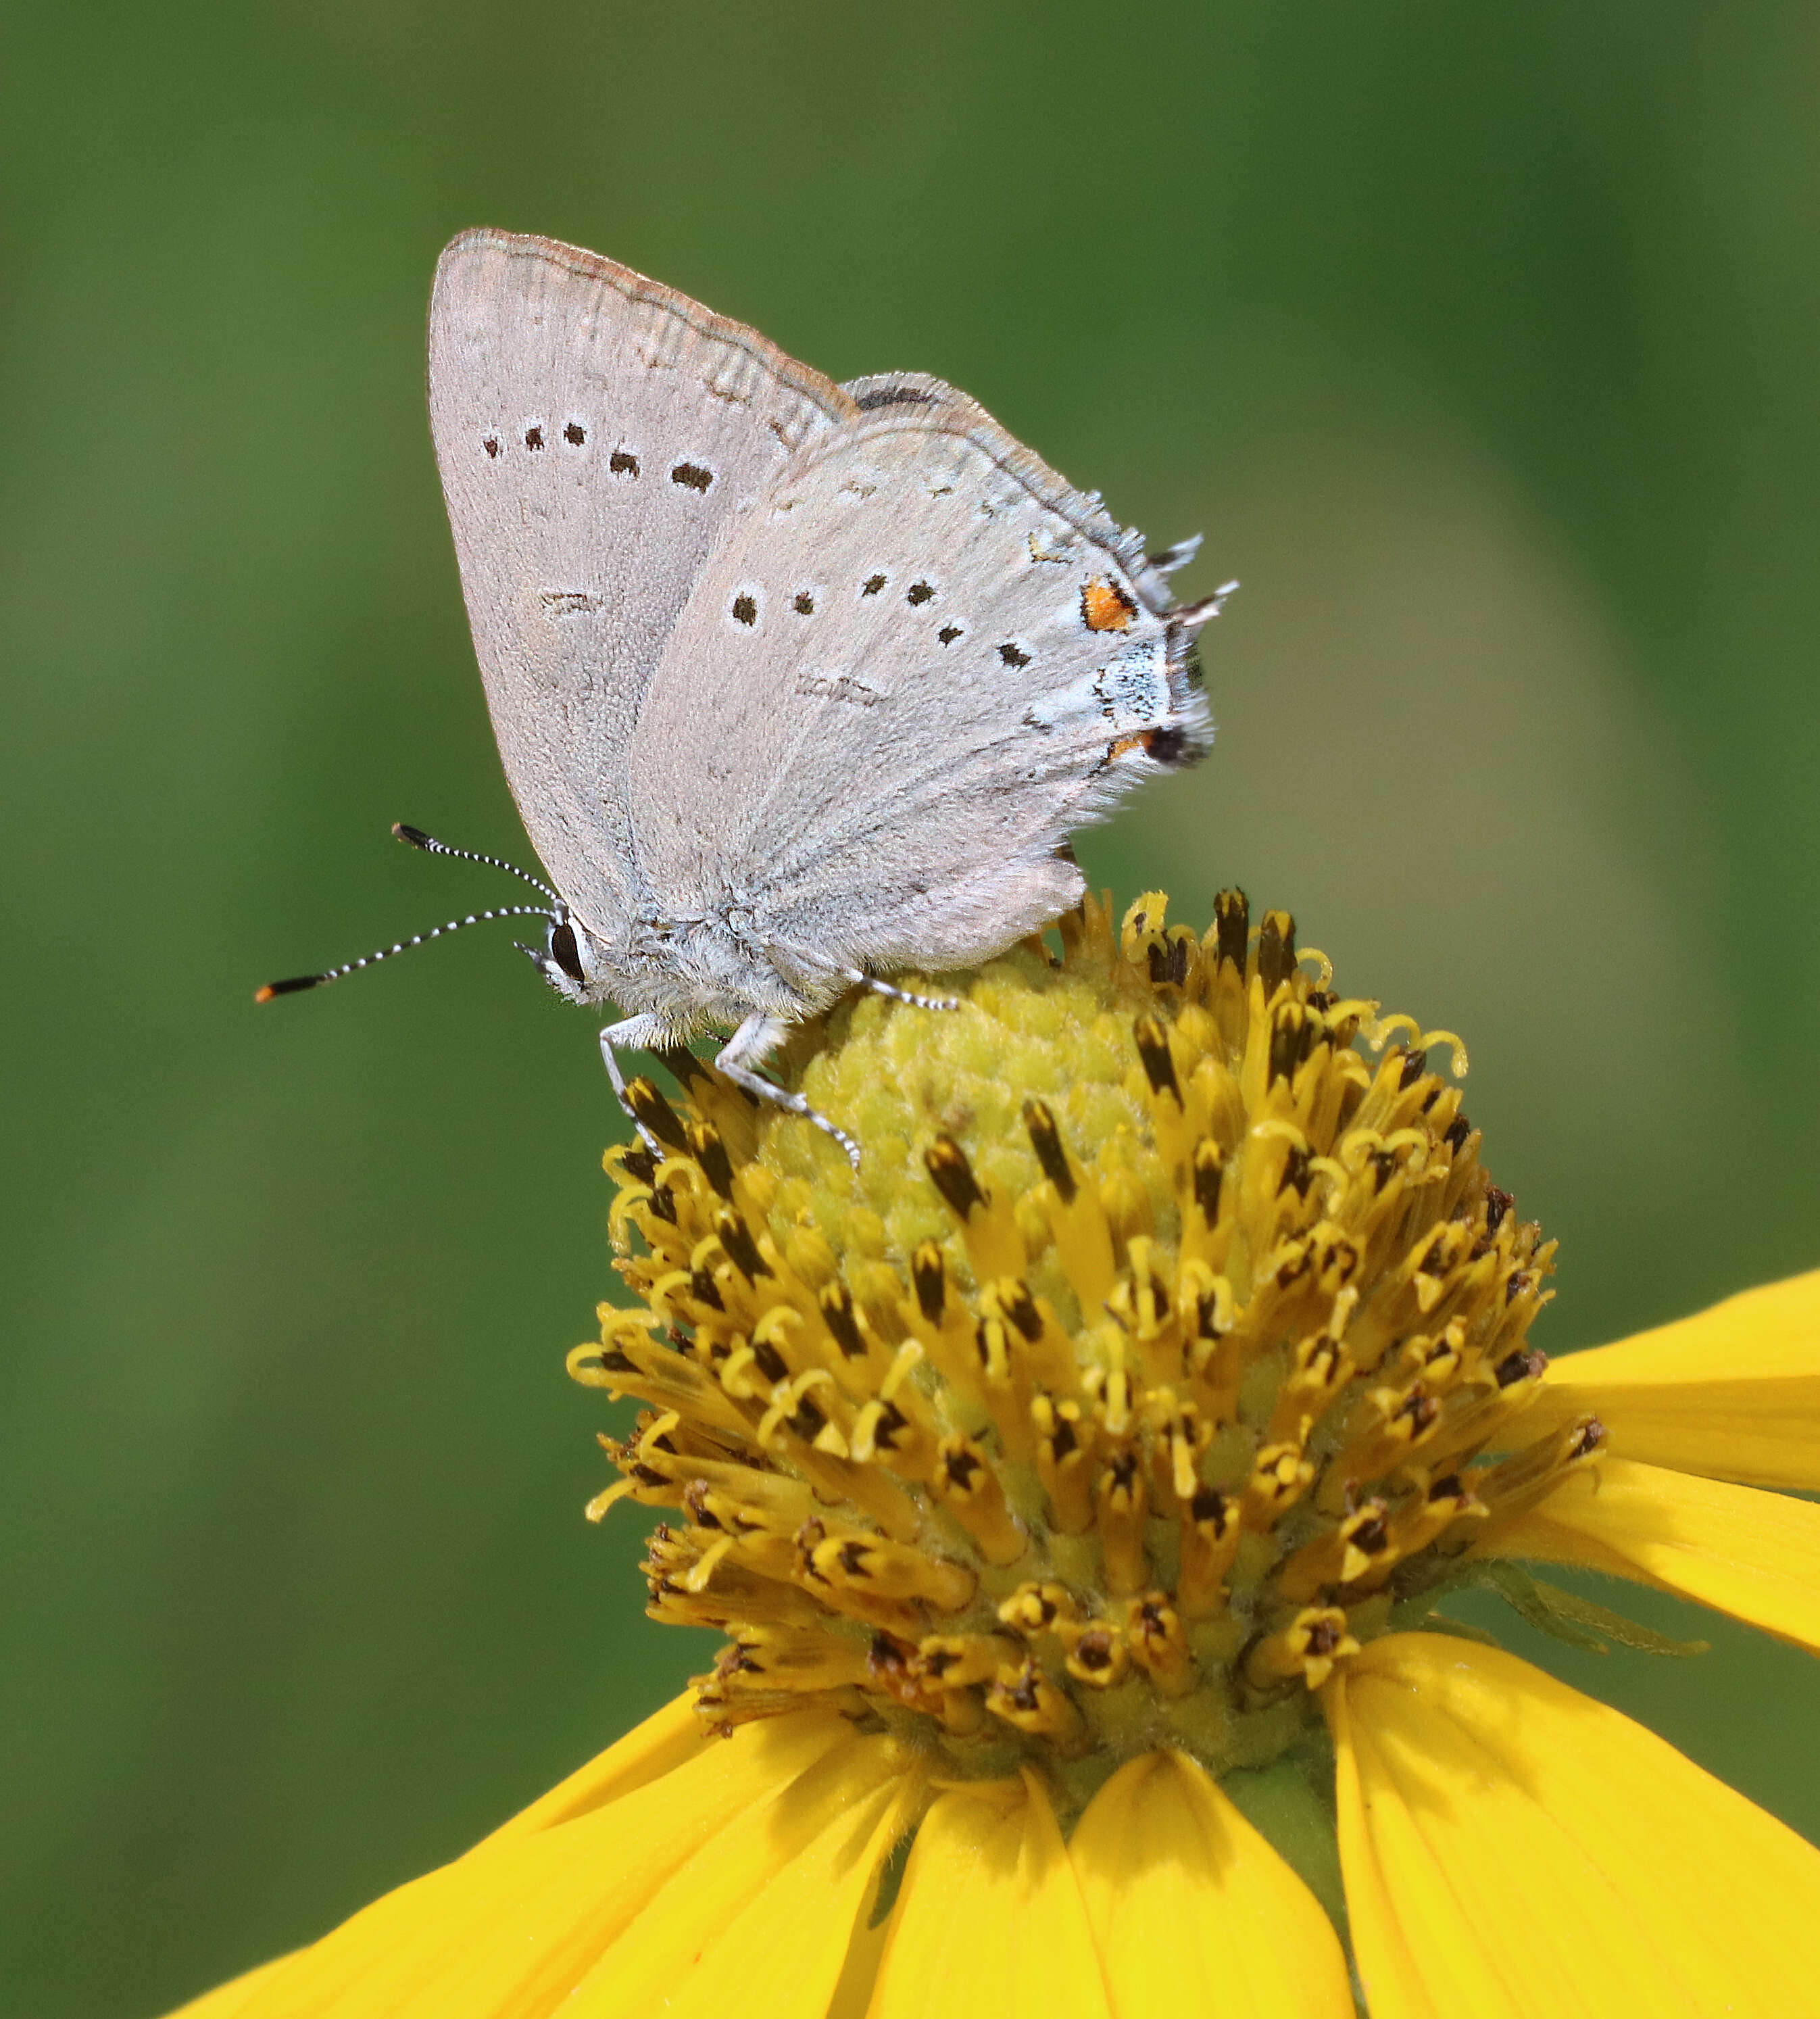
<point>1074,1485</point>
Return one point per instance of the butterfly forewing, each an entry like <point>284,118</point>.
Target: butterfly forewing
<point>594,431</point>
<point>903,677</point>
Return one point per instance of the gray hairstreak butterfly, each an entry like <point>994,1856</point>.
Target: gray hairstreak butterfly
<point>796,684</point>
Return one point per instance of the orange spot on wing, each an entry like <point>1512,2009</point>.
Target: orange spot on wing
<point>1105,607</point>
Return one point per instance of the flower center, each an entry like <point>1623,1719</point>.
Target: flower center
<point>1143,1372</point>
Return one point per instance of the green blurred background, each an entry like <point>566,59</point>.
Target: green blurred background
<point>1480,340</point>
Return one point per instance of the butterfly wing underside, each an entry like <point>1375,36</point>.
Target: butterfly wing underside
<point>903,677</point>
<point>594,431</point>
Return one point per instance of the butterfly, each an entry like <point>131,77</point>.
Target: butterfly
<point>796,684</point>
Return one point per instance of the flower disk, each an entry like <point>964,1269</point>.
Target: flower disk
<point>1139,1377</point>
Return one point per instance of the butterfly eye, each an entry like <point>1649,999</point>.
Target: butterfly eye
<point>564,951</point>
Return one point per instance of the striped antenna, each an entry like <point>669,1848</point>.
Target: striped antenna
<point>557,917</point>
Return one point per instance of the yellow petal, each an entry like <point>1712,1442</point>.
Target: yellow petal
<point>990,1924</point>
<point>1733,1393</point>
<point>758,1922</point>
<point>227,2000</point>
<point>1193,1911</point>
<point>650,1750</point>
<point>1513,1848</point>
<point>506,1933</point>
<point>1752,1554</point>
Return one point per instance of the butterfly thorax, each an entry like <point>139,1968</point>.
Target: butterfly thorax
<point>712,969</point>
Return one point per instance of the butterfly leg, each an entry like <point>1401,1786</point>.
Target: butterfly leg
<point>871,983</point>
<point>743,1053</point>
<point>636,1034</point>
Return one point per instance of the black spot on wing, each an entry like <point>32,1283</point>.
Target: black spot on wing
<point>872,584</point>
<point>691,477</point>
<point>622,463</point>
<point>574,434</point>
<point>744,610</point>
<point>803,603</point>
<point>948,633</point>
<point>918,592</point>
<point>893,396</point>
<point>533,437</point>
<point>492,446</point>
<point>1013,656</point>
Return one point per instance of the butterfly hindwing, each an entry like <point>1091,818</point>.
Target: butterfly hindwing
<point>903,677</point>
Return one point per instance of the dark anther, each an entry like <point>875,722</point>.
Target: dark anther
<point>574,434</point>
<point>1232,927</point>
<point>1497,1203</point>
<point>771,1364</point>
<point>1062,1439</point>
<point>622,464</point>
<point>1458,1130</point>
<point>692,476</point>
<point>1153,1047</point>
<point>1020,1307</point>
<point>1093,1650</point>
<point>948,633</point>
<point>1293,1035</point>
<point>803,603</point>
<point>891,1424</point>
<point>963,1467</point>
<point>1415,1064</point>
<point>1169,962</point>
<point>918,592</point>
<point>741,1250</point>
<point>1122,1468</point>
<point>1297,1170</point>
<point>1372,1536</point>
<point>853,1558</point>
<point>1294,1269</point>
<point>1323,1637</point>
<point>708,1151</point>
<point>662,1205</point>
<point>1384,1162</point>
<point>1417,1409</point>
<point>1013,657</point>
<point>1022,1694</point>
<point>638,1163</point>
<point>744,610</point>
<point>683,1063</point>
<point>872,584</point>
<point>1208,1170</point>
<point>1520,1280</point>
<point>1045,1141</point>
<point>1210,1505</point>
<point>836,1302</point>
<point>1276,951</point>
<point>888,1656</point>
<point>695,1505</point>
<point>1590,1436</point>
<point>1447,1487</point>
<point>654,1113</point>
<point>929,1275</point>
<point>953,1174</point>
<point>1320,998</point>
<point>702,1287</point>
<point>613,1360</point>
<point>809,1420</point>
<point>1522,1364</point>
<point>533,437</point>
